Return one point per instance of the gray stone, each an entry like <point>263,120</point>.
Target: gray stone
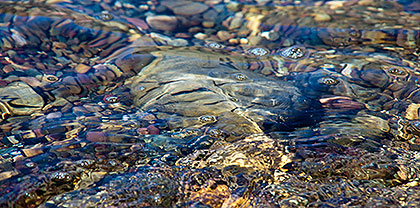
<point>162,22</point>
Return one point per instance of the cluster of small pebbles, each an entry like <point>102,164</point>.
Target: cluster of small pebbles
<point>263,22</point>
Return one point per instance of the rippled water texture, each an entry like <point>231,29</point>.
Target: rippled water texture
<point>209,103</point>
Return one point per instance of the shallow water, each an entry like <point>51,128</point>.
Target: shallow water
<point>209,103</point>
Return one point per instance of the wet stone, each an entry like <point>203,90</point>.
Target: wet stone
<point>224,35</point>
<point>162,22</point>
<point>186,8</point>
<point>322,17</point>
<point>82,68</point>
<point>142,108</point>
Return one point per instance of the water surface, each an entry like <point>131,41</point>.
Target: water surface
<point>209,103</point>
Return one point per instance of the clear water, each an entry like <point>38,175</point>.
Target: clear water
<point>209,103</point>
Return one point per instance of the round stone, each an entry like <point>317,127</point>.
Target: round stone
<point>190,8</point>
<point>322,17</point>
<point>162,22</point>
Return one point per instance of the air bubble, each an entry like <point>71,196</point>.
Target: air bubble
<point>329,81</point>
<point>241,77</point>
<point>208,119</point>
<point>294,52</point>
<point>111,99</point>
<point>215,45</point>
<point>258,51</point>
<point>397,71</point>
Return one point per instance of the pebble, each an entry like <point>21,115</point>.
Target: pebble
<point>233,41</point>
<point>269,35</point>
<point>243,41</point>
<point>182,35</point>
<point>82,68</point>
<point>255,40</point>
<point>32,152</point>
<point>366,2</point>
<point>210,15</point>
<point>234,6</point>
<point>200,36</point>
<point>60,45</point>
<point>186,8</point>
<point>208,24</point>
<point>162,22</point>
<point>213,2</point>
<point>139,23</point>
<point>322,17</point>
<point>224,35</point>
<point>288,42</point>
<point>236,23</point>
<point>334,4</point>
<point>95,136</point>
<point>153,130</point>
<point>161,38</point>
<point>32,81</point>
<point>179,42</point>
<point>8,69</point>
<point>54,115</point>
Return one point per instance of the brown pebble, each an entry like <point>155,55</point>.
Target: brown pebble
<point>93,108</point>
<point>254,40</point>
<point>32,81</point>
<point>139,23</point>
<point>8,174</point>
<point>142,131</point>
<point>82,68</point>
<point>59,45</point>
<point>236,23</point>
<point>243,41</point>
<point>195,30</point>
<point>224,35</point>
<point>8,69</point>
<point>208,24</point>
<point>3,83</point>
<point>40,66</point>
<point>186,8</point>
<point>95,136</point>
<point>183,35</point>
<point>200,36</point>
<point>234,41</point>
<point>162,22</point>
<point>32,152</point>
<point>152,130</point>
<point>322,17</point>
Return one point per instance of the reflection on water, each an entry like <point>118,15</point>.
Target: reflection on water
<point>209,103</point>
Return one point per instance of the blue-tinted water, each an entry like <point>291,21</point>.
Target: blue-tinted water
<point>209,103</point>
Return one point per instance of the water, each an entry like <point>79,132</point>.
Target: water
<point>209,103</point>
